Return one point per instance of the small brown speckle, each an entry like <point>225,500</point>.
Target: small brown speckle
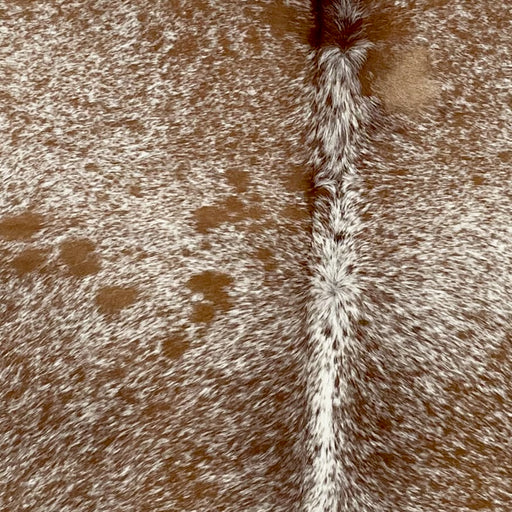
<point>135,190</point>
<point>112,299</point>
<point>22,226</point>
<point>478,179</point>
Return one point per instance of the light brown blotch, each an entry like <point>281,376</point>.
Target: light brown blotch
<point>403,85</point>
<point>79,256</point>
<point>29,260</point>
<point>19,227</point>
<point>111,299</point>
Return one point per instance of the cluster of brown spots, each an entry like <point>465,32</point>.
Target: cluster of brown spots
<point>212,285</point>
<point>80,257</point>
<point>19,227</point>
<point>29,260</point>
<point>112,299</point>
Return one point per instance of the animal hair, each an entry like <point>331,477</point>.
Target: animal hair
<point>340,116</point>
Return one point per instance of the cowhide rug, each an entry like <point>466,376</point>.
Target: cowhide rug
<point>255,256</point>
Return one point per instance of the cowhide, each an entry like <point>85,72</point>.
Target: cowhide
<point>163,209</point>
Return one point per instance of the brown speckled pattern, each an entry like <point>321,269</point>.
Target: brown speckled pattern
<point>154,238</point>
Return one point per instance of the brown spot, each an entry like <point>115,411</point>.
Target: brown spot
<point>175,347</point>
<point>238,179</point>
<point>79,256</point>
<point>135,190</point>
<point>267,257</point>
<point>112,299</point>
<point>91,167</point>
<point>406,85</point>
<point>211,217</point>
<point>505,156</point>
<point>212,285</point>
<point>296,212</point>
<point>478,179</point>
<point>29,260</point>
<point>203,313</point>
<point>298,180</point>
<point>20,226</point>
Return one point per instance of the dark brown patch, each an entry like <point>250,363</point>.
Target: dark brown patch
<point>284,20</point>
<point>22,226</point>
<point>505,156</point>
<point>112,299</point>
<point>238,179</point>
<point>80,257</point>
<point>175,346</point>
<point>29,260</point>
<point>479,504</point>
<point>298,180</point>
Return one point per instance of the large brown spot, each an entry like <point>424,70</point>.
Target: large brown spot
<point>216,298</point>
<point>80,257</point>
<point>112,299</point>
<point>20,226</point>
<point>29,260</point>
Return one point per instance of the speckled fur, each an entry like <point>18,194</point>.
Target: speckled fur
<point>155,251</point>
<point>340,119</point>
